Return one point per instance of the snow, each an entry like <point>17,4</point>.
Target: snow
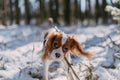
<point>20,53</point>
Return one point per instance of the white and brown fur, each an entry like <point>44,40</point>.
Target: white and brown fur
<point>58,45</point>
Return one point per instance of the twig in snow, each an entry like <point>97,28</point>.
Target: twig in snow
<point>117,55</point>
<point>114,57</point>
<point>69,65</point>
<point>32,54</point>
<point>20,71</point>
<point>89,69</point>
<point>112,40</point>
<point>1,58</point>
<point>2,66</point>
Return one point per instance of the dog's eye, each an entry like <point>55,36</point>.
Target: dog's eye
<point>55,45</point>
<point>65,49</point>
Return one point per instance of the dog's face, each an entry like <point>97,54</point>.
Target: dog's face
<point>54,45</point>
<point>58,44</point>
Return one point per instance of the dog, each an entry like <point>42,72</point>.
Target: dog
<point>56,46</point>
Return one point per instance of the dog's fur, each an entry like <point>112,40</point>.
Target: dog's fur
<point>58,45</point>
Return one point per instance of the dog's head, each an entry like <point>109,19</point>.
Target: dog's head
<point>57,44</point>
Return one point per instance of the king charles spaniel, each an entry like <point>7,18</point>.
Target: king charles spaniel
<point>58,45</point>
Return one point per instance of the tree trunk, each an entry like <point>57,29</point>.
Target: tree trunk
<point>104,13</point>
<point>67,12</point>
<point>86,8</point>
<point>4,12</point>
<point>27,12</point>
<point>17,9</point>
<point>11,12</point>
<point>89,11</point>
<point>54,10</point>
<point>43,13</point>
<point>81,16</point>
<point>76,10</point>
<point>96,11</point>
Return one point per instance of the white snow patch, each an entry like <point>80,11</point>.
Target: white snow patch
<point>20,53</point>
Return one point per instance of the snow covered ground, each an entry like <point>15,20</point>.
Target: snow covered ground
<point>20,48</point>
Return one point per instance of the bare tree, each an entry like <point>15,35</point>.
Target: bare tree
<point>97,13</point>
<point>17,10</point>
<point>4,12</point>
<point>11,12</point>
<point>104,13</point>
<point>86,8</point>
<point>54,10</point>
<point>81,16</point>
<point>76,10</point>
<point>43,13</point>
<point>67,12</point>
<point>89,11</point>
<point>27,12</point>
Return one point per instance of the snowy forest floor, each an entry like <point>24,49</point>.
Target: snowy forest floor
<point>20,48</point>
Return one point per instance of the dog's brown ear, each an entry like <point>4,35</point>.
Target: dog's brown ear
<point>77,49</point>
<point>48,45</point>
<point>45,55</point>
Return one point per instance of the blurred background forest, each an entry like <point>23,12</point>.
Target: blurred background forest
<point>63,12</point>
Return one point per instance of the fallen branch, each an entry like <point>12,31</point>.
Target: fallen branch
<point>114,56</point>
<point>89,69</point>
<point>117,55</point>
<point>112,40</point>
<point>69,65</point>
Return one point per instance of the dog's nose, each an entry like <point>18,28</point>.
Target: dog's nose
<point>57,55</point>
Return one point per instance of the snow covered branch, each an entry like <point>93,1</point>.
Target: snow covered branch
<point>116,1</point>
<point>114,11</point>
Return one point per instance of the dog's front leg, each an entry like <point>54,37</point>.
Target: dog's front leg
<point>46,69</point>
